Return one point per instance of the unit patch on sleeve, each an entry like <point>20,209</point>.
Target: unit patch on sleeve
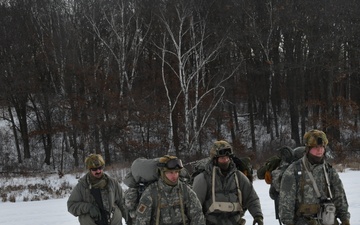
<point>141,209</point>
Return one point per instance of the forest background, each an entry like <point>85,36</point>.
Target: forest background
<point>129,78</point>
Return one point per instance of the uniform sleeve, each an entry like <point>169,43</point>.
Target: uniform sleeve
<point>131,199</point>
<point>194,209</point>
<point>120,202</point>
<point>250,199</point>
<point>200,187</point>
<point>287,197</point>
<point>339,196</point>
<point>75,204</point>
<point>144,209</point>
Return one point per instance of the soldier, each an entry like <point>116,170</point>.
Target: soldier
<point>97,199</point>
<point>224,191</point>
<point>169,200</point>
<point>311,192</point>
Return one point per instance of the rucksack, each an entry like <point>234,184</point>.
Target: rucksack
<point>274,168</point>
<point>243,164</point>
<point>143,172</point>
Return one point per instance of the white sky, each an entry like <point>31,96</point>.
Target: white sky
<point>54,211</point>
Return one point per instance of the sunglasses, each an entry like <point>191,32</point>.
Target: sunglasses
<point>224,152</point>
<point>172,164</point>
<point>96,169</point>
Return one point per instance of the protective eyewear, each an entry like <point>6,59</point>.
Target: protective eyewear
<point>172,164</point>
<point>224,152</point>
<point>96,169</point>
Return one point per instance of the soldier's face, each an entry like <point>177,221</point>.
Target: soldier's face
<point>97,172</point>
<point>224,162</point>
<point>317,151</point>
<point>223,159</point>
<point>173,176</point>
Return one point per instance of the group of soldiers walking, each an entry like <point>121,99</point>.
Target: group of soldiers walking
<point>311,193</point>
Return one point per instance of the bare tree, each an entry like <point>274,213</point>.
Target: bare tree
<point>185,55</point>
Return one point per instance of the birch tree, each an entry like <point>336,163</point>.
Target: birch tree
<point>185,55</point>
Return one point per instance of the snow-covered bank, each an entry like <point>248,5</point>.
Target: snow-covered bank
<point>54,211</point>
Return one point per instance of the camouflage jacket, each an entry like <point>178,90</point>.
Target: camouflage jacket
<point>131,197</point>
<point>81,200</point>
<point>225,191</point>
<point>168,199</point>
<point>298,199</point>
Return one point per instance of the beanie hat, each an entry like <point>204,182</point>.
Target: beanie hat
<point>94,161</point>
<point>220,148</point>
<point>314,138</point>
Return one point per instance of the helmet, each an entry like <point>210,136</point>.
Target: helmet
<point>315,138</point>
<point>221,148</point>
<point>94,161</point>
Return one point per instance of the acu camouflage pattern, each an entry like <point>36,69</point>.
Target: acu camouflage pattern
<point>170,210</point>
<point>131,197</point>
<point>287,156</point>
<point>294,196</point>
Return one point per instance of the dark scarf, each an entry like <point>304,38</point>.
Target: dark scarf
<point>315,159</point>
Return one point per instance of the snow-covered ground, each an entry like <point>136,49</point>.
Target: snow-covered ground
<point>54,211</point>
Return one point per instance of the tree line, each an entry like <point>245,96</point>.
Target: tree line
<point>129,78</point>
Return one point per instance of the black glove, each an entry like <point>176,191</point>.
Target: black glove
<point>258,220</point>
<point>345,222</point>
<point>95,212</point>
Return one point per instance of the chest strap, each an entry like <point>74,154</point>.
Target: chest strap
<point>225,206</point>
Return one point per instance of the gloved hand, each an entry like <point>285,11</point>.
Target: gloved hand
<point>258,220</point>
<point>345,222</point>
<point>95,212</point>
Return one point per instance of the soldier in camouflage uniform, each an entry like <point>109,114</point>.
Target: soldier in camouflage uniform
<point>169,200</point>
<point>304,189</point>
<point>97,199</point>
<point>224,191</point>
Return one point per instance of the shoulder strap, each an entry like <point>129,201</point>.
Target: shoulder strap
<point>158,196</point>
<point>181,190</point>
<point>298,174</point>
<point>313,180</point>
<point>327,180</point>
<point>225,206</point>
<point>239,193</point>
